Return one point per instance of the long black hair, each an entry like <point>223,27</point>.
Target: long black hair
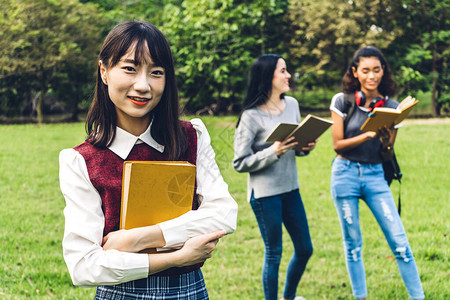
<point>102,118</point>
<point>260,81</point>
<point>350,84</point>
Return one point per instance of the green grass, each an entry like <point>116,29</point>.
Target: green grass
<point>31,218</point>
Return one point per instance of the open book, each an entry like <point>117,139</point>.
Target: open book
<point>307,131</point>
<point>155,191</point>
<point>381,116</point>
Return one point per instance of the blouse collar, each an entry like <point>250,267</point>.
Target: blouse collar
<point>124,142</point>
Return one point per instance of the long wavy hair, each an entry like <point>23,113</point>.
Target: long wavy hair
<point>102,118</point>
<point>350,84</point>
<point>260,79</point>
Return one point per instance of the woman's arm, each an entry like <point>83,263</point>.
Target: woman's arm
<point>337,130</point>
<point>386,135</point>
<point>89,264</point>
<point>245,159</point>
<point>217,209</point>
<point>195,250</point>
<point>135,239</point>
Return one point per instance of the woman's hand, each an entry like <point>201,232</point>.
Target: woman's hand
<point>122,240</point>
<point>195,250</point>
<point>281,148</point>
<point>384,134</point>
<point>134,240</point>
<point>310,146</point>
<point>199,248</point>
<point>369,135</point>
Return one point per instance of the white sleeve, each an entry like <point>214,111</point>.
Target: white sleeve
<point>337,104</point>
<point>217,209</point>
<point>88,263</point>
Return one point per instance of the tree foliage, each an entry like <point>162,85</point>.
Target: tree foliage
<point>413,34</point>
<point>326,33</point>
<point>50,46</point>
<point>41,39</point>
<point>215,41</point>
<point>425,49</point>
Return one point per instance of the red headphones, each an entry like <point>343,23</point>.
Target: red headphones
<point>360,99</point>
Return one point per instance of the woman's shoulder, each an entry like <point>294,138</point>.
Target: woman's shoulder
<point>391,103</point>
<point>200,129</point>
<point>189,125</point>
<point>249,114</point>
<point>337,101</point>
<point>196,123</point>
<point>84,145</point>
<point>82,152</point>
<point>290,100</point>
<point>70,157</point>
<point>338,97</point>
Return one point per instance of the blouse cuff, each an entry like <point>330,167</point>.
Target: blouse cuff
<point>172,235</point>
<point>136,266</point>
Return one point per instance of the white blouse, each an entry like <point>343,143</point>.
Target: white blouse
<point>88,263</point>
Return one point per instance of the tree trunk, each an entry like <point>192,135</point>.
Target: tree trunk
<point>39,108</point>
<point>40,115</point>
<point>434,107</point>
<point>75,109</point>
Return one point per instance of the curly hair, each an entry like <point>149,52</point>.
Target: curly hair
<point>350,84</point>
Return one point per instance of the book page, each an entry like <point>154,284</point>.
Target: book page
<point>310,129</point>
<point>406,103</point>
<point>125,190</point>
<point>406,107</point>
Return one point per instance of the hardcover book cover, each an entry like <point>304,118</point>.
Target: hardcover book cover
<point>382,116</point>
<point>307,131</point>
<point>155,191</point>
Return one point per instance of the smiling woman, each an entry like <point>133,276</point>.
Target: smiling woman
<point>357,171</point>
<point>134,115</point>
<point>141,57</point>
<point>273,188</point>
<point>135,88</point>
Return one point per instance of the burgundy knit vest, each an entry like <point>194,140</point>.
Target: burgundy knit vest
<point>105,171</point>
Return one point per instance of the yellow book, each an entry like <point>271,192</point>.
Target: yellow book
<point>389,116</point>
<point>155,191</point>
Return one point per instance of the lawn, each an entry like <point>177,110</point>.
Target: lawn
<point>31,263</point>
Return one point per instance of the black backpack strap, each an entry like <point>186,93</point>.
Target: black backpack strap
<point>398,176</point>
<point>349,106</point>
<point>399,197</point>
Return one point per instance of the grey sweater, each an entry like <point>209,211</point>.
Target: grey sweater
<point>268,174</point>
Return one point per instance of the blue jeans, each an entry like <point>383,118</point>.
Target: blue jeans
<point>351,181</point>
<point>270,212</point>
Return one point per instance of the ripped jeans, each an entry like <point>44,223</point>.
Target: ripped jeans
<point>351,181</point>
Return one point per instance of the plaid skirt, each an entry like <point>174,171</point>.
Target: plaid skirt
<point>188,286</point>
